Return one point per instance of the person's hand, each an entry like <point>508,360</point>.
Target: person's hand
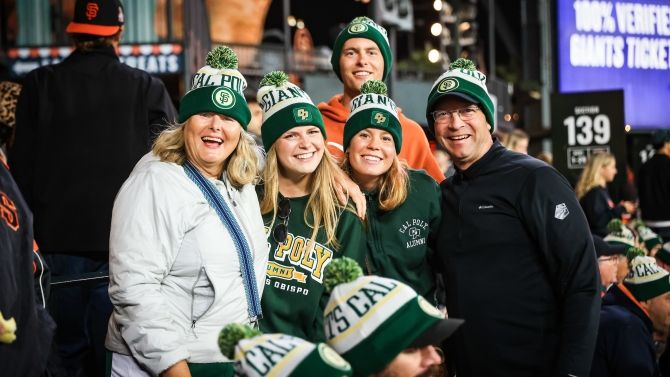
<point>628,206</point>
<point>345,188</point>
<point>178,370</point>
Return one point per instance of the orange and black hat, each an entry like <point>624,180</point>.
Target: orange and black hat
<point>96,17</point>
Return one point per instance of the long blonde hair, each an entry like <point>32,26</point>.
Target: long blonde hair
<point>591,175</point>
<point>323,208</point>
<point>242,167</point>
<point>393,186</point>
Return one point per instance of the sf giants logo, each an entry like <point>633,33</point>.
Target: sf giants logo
<point>8,212</point>
<point>91,11</point>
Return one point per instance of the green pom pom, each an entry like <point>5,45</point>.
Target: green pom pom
<point>374,86</point>
<point>339,271</point>
<point>275,78</point>
<point>222,57</point>
<point>463,63</point>
<point>634,252</point>
<point>614,226</point>
<point>360,19</point>
<point>233,333</point>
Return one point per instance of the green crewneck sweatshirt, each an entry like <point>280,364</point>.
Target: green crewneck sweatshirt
<point>397,240</point>
<point>294,299</point>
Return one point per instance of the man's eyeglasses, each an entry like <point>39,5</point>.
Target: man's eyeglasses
<point>280,231</point>
<point>465,113</point>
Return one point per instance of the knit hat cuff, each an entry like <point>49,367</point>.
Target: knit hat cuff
<point>649,290</point>
<point>324,360</point>
<point>395,334</point>
<point>297,113</point>
<point>373,117</point>
<point>664,253</point>
<point>215,99</point>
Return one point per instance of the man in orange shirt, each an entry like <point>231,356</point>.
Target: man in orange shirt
<point>361,53</point>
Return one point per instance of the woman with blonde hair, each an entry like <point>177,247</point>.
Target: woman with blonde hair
<point>187,246</point>
<point>517,141</point>
<point>307,227</point>
<point>403,204</point>
<point>592,193</point>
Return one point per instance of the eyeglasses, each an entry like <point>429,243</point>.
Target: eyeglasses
<point>280,231</point>
<point>465,113</point>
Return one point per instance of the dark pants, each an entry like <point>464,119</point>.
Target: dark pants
<point>81,311</point>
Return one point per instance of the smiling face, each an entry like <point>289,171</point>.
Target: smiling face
<point>465,141</point>
<point>299,151</point>
<point>209,139</point>
<point>371,154</point>
<point>361,60</point>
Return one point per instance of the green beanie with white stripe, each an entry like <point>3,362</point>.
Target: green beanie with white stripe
<point>284,106</point>
<point>217,88</point>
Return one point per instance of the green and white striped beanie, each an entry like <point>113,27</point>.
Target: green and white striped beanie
<point>363,27</point>
<point>465,81</point>
<point>217,88</point>
<point>619,234</point>
<point>284,106</point>
<point>646,279</point>
<point>373,109</point>
<point>372,319</point>
<point>280,355</point>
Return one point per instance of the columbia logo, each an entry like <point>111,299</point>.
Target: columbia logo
<point>485,206</point>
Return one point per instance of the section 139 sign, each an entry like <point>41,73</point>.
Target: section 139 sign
<point>584,124</point>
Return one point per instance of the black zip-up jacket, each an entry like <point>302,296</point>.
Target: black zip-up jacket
<point>21,297</point>
<point>599,210</point>
<point>625,345</point>
<point>81,125</point>
<point>520,268</point>
<point>653,185</point>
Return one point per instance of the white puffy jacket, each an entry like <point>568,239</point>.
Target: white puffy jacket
<point>175,277</point>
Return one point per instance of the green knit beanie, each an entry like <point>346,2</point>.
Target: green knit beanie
<point>645,279</point>
<point>284,106</point>
<point>258,355</point>
<point>663,254</point>
<point>217,88</point>
<point>465,81</point>
<point>363,27</point>
<point>619,233</point>
<point>370,320</point>
<point>648,236</point>
<point>373,109</point>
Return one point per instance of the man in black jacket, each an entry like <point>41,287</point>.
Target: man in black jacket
<point>81,126</point>
<point>631,313</point>
<point>653,186</point>
<point>516,250</point>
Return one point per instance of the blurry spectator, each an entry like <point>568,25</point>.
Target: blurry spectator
<point>502,132</point>
<point>593,196</point>
<point>517,141</point>
<point>25,339</point>
<point>81,125</point>
<point>609,256</point>
<point>396,333</point>
<point>630,315</point>
<point>254,127</point>
<point>361,53</point>
<point>546,157</point>
<point>652,242</point>
<point>653,186</point>
<point>663,256</point>
<point>9,95</point>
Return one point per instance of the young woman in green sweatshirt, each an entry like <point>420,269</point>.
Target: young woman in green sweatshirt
<point>403,204</point>
<point>306,226</point>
